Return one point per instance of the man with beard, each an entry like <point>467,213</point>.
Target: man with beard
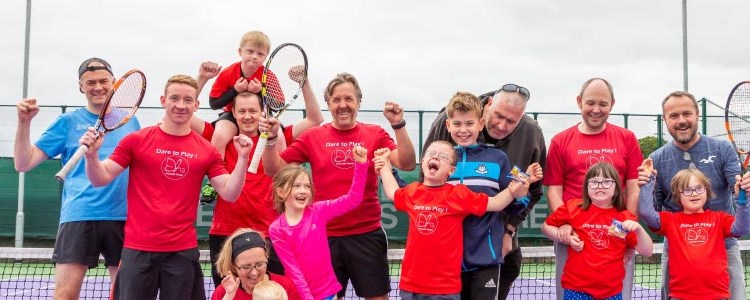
<point>573,151</point>
<point>715,158</point>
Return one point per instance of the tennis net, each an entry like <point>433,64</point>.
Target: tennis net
<point>27,273</point>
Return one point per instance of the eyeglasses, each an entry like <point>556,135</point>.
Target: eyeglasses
<point>512,88</point>
<point>689,191</point>
<point>686,157</point>
<point>257,266</point>
<point>604,184</point>
<point>440,156</point>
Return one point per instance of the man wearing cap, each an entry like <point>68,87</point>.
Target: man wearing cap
<point>91,219</point>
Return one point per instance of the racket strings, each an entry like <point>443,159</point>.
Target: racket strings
<point>287,72</point>
<point>126,98</point>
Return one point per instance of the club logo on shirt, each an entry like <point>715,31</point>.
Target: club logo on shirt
<point>599,238</point>
<point>341,155</point>
<point>696,236</point>
<point>426,222</point>
<point>481,169</point>
<point>175,167</point>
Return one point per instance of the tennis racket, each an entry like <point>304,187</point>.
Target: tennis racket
<point>737,123</point>
<point>280,92</point>
<point>122,102</point>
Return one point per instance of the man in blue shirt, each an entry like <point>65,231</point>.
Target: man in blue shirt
<point>715,158</point>
<point>91,219</point>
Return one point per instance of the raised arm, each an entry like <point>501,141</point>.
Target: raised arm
<point>100,173</point>
<point>353,198</point>
<point>313,117</point>
<point>272,161</point>
<point>646,181</point>
<point>25,155</point>
<point>403,157</point>
<point>230,186</point>
<point>206,72</point>
<point>646,209</point>
<point>383,167</point>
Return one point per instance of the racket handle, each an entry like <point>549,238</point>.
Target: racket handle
<point>72,162</point>
<point>253,167</point>
<point>742,198</point>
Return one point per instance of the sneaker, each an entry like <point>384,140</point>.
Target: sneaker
<point>208,194</point>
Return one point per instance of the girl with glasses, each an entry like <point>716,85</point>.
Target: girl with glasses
<point>603,229</point>
<point>696,235</point>
<point>243,261</point>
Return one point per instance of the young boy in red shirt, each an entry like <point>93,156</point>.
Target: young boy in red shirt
<point>242,76</point>
<point>434,247</point>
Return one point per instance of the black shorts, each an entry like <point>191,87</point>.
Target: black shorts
<point>82,242</point>
<point>481,283</point>
<point>216,242</point>
<point>363,259</point>
<point>171,275</point>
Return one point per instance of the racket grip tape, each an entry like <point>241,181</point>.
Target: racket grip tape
<point>72,162</point>
<point>742,197</point>
<point>255,161</point>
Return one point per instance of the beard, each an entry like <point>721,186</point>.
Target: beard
<point>686,138</point>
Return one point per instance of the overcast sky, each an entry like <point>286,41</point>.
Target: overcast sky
<point>415,52</point>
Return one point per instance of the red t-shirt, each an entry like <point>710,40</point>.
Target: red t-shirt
<point>434,245</point>
<point>254,207</point>
<point>329,152</point>
<point>597,270</point>
<point>166,173</point>
<point>228,76</point>
<point>286,283</point>
<point>696,246</point>
<point>572,153</point>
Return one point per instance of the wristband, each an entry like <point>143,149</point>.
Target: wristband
<point>399,125</point>
<point>272,138</point>
<point>271,142</point>
<point>511,232</point>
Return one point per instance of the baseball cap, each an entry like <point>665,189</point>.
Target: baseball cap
<point>85,66</point>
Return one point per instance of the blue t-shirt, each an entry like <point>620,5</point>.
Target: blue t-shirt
<point>80,200</point>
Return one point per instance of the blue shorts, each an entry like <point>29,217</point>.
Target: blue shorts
<point>576,295</point>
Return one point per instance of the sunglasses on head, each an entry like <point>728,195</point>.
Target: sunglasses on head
<point>512,88</point>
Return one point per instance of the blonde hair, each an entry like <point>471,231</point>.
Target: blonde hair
<point>257,39</point>
<point>225,264</point>
<point>284,179</point>
<point>269,290</point>
<point>681,180</point>
<point>464,102</point>
<point>181,79</point>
